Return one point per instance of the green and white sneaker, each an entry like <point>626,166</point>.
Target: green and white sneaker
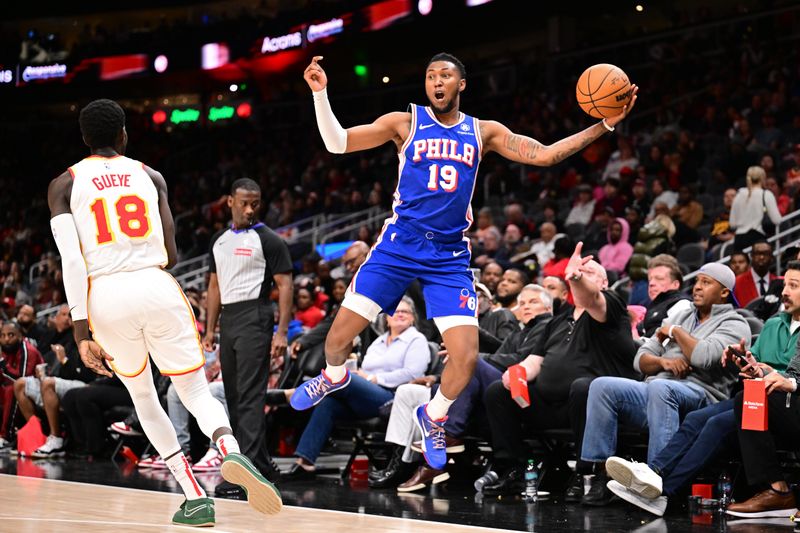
<point>261,494</point>
<point>199,513</point>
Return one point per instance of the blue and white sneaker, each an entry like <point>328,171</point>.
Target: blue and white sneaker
<point>434,447</point>
<point>314,390</point>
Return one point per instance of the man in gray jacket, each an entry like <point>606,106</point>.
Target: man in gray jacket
<point>682,369</point>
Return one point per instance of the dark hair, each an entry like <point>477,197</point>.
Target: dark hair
<point>761,241</point>
<point>523,276</point>
<point>444,56</point>
<point>793,265</point>
<point>739,252</point>
<point>563,246</point>
<point>244,183</point>
<point>101,122</point>
<point>11,323</point>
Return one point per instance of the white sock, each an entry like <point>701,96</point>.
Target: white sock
<point>180,468</point>
<point>227,444</point>
<point>335,373</point>
<point>438,406</point>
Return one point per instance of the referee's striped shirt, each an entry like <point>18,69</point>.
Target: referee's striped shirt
<point>245,260</point>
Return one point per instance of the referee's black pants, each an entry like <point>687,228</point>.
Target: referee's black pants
<point>245,341</point>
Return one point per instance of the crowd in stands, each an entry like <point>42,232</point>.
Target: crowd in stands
<point>621,340</point>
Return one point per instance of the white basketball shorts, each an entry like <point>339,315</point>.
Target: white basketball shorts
<point>135,313</point>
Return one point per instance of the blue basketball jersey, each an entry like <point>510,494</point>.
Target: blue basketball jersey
<point>438,166</point>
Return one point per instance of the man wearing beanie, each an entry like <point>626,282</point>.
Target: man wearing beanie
<point>682,372</point>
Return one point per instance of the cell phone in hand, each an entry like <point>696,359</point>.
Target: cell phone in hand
<point>739,354</point>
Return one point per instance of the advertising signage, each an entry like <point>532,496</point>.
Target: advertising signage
<point>284,42</point>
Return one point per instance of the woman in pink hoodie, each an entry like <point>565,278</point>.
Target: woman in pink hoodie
<point>616,254</point>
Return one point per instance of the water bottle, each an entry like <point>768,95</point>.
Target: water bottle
<point>724,490</point>
<point>531,481</point>
<point>488,478</point>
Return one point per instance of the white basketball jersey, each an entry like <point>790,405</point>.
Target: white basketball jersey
<point>115,206</point>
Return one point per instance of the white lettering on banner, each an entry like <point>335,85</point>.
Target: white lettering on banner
<point>326,29</point>
<point>6,76</point>
<point>44,72</point>
<point>275,44</point>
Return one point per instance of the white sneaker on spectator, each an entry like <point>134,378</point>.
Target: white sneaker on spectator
<point>638,477</point>
<point>211,461</point>
<point>5,446</point>
<point>152,461</point>
<point>656,506</point>
<point>124,429</point>
<point>53,447</point>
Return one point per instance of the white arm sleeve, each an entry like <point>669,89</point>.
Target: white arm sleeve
<point>76,279</point>
<point>333,134</point>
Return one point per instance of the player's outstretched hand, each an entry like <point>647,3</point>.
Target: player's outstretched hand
<point>315,76</point>
<point>93,356</point>
<point>613,121</point>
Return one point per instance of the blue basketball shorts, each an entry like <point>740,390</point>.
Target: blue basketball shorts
<point>441,264</point>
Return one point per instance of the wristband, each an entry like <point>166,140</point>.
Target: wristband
<point>605,124</point>
<point>671,329</point>
<point>794,384</point>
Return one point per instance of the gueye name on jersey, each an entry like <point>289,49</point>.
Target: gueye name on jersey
<point>444,149</point>
<point>111,180</point>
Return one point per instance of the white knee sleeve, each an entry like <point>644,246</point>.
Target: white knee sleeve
<point>154,420</point>
<point>192,388</point>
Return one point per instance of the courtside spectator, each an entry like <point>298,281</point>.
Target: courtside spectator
<point>28,326</point>
<point>47,391</point>
<point>17,360</point>
<point>707,432</point>
<point>494,325</point>
<point>683,373</point>
<point>593,339</point>
<point>664,280</point>
<point>396,357</point>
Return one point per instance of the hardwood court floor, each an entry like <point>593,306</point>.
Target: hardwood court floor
<point>34,504</point>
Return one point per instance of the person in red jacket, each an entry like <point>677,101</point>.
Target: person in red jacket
<point>305,310</point>
<point>754,282</point>
<point>18,359</point>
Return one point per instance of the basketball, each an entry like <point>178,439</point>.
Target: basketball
<point>603,90</point>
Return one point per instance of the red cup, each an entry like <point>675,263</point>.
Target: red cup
<point>703,490</point>
<point>129,454</point>
<point>359,470</point>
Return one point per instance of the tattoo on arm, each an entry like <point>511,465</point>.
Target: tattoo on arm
<point>522,146</point>
<point>575,143</point>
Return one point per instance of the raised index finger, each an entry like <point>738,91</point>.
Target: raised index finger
<point>316,59</point>
<point>578,249</point>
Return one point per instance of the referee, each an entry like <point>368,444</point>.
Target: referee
<point>244,260</point>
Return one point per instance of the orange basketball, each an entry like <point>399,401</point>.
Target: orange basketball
<point>603,90</point>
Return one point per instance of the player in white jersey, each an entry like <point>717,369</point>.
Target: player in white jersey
<point>113,226</point>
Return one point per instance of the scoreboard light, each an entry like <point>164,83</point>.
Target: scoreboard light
<point>159,117</point>
<point>220,113</point>
<point>179,116</point>
<point>244,110</point>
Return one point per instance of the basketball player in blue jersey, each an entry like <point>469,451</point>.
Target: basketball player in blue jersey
<point>439,149</point>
